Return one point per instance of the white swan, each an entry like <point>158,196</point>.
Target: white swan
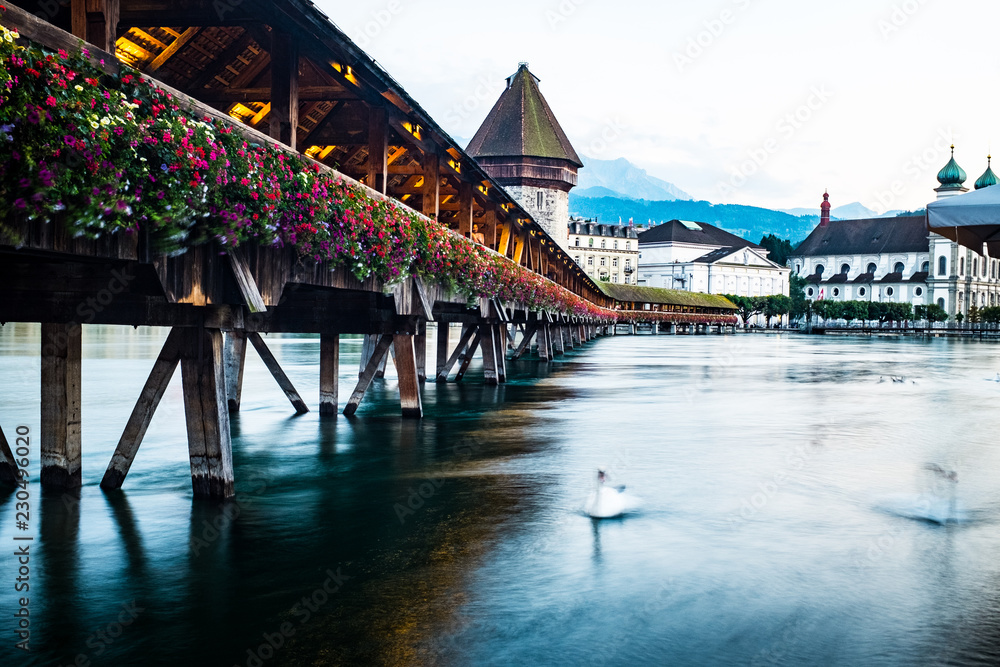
<point>605,502</point>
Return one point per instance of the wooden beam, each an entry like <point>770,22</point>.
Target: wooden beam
<point>465,209</point>
<point>378,150</point>
<point>368,374</point>
<point>8,466</point>
<point>61,406</point>
<point>142,414</point>
<point>443,329</point>
<point>489,227</point>
<point>235,360</point>
<point>245,281</point>
<point>529,333</point>
<point>468,331</point>
<point>432,185</point>
<point>519,244</point>
<point>209,445</point>
<point>279,375</point>
<point>409,383</point>
<point>488,348</point>
<point>239,45</point>
<point>306,94</point>
<point>329,373</point>
<point>420,343</point>
<point>470,354</point>
<point>500,354</point>
<point>284,87</point>
<point>504,246</point>
<point>171,50</point>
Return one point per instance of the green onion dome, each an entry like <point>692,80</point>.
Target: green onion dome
<point>988,178</point>
<point>952,174</point>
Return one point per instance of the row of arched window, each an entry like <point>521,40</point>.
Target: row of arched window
<point>990,268</point>
<point>898,267</point>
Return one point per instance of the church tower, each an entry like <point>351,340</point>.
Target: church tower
<point>522,146</point>
<point>952,178</point>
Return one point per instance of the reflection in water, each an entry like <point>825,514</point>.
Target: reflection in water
<point>773,473</point>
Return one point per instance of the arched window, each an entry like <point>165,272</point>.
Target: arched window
<point>628,245</point>
<point>925,267</point>
<point>591,242</point>
<point>577,241</point>
<point>993,268</point>
<point>975,266</point>
<point>541,200</point>
<point>942,266</point>
<point>871,269</point>
<point>798,269</point>
<point>845,269</point>
<point>941,301</point>
<point>898,267</point>
<point>616,244</point>
<point>604,243</point>
<point>820,269</point>
<point>961,266</point>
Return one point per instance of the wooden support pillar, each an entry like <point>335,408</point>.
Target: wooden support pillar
<point>368,374</point>
<point>470,353</point>
<point>488,345</point>
<point>279,375</point>
<point>378,149</point>
<point>60,410</point>
<point>329,373</point>
<point>409,383</point>
<point>500,346</point>
<point>8,466</point>
<point>529,333</point>
<point>465,209</point>
<point>367,349</point>
<point>505,233</point>
<point>380,373</point>
<point>544,352</point>
<point>557,340</point>
<point>420,343</point>
<point>468,331</point>
<point>142,414</point>
<point>432,185</point>
<point>284,116</point>
<point>570,343</point>
<point>520,242</point>
<point>443,329</point>
<point>490,227</point>
<point>236,356</point>
<point>207,413</point>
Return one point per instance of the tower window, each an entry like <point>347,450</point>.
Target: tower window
<point>925,267</point>
<point>975,266</point>
<point>819,269</point>
<point>961,266</point>
<point>942,266</point>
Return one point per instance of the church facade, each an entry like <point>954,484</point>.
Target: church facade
<point>897,260</point>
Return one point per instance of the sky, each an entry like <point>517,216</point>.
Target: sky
<point>759,102</point>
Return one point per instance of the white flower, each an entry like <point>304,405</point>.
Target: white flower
<point>78,87</point>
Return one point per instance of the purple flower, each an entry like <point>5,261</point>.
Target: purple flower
<point>24,182</point>
<point>20,204</point>
<point>164,166</point>
<point>68,140</point>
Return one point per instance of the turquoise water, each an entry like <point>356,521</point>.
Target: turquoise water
<point>790,513</point>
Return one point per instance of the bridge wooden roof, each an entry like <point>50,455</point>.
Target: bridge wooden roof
<point>284,68</point>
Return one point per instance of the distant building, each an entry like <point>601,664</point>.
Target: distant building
<point>522,146</point>
<point>606,252</point>
<point>698,257</point>
<point>897,259</point>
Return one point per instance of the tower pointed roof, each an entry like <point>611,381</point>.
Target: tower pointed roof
<point>521,124</point>
<point>988,178</point>
<point>951,174</point>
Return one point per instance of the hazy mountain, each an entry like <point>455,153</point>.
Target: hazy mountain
<point>749,222</point>
<point>621,178</point>
<point>854,211</point>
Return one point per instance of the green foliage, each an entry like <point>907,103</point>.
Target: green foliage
<point>747,307</point>
<point>935,313</point>
<point>863,311</point>
<point>990,314</point>
<point>975,315</point>
<point>779,248</point>
<point>776,305</point>
<point>801,307</point>
<point>959,318</point>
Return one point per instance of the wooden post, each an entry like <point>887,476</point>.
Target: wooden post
<point>142,414</point>
<point>420,343</point>
<point>236,356</point>
<point>432,185</point>
<point>60,410</point>
<point>500,343</point>
<point>8,466</point>
<point>284,119</point>
<point>557,340</point>
<point>543,342</point>
<point>279,375</point>
<point>329,372</point>
<point>505,232</point>
<point>489,349</point>
<point>443,329</point>
<point>96,21</point>
<point>465,209</point>
<point>207,414</point>
<point>570,343</point>
<point>460,352</point>
<point>490,227</point>
<point>409,383</point>
<point>368,374</point>
<point>378,149</point>
<point>367,348</point>
<point>467,359</point>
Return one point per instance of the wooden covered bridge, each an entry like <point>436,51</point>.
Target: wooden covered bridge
<point>294,88</point>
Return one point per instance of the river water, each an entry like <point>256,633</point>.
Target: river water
<point>793,511</point>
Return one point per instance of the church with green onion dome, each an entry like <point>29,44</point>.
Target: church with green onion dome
<point>988,178</point>
<point>952,178</point>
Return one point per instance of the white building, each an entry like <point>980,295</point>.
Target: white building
<point>606,252</point>
<point>697,257</point>
<point>897,260</point>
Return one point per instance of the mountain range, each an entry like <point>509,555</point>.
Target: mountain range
<point>621,178</point>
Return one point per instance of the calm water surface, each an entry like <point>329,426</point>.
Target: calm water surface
<point>784,496</point>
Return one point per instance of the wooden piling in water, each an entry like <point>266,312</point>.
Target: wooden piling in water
<point>469,353</point>
<point>236,355</point>
<point>142,414</point>
<point>379,351</point>
<point>529,333</point>
<point>207,413</point>
<point>409,383</point>
<point>443,329</point>
<point>420,347</point>
<point>468,331</point>
<point>488,346</point>
<point>329,372</point>
<point>501,352</point>
<point>61,407</point>
<point>8,466</point>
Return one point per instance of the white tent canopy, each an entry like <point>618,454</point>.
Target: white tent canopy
<point>971,219</point>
